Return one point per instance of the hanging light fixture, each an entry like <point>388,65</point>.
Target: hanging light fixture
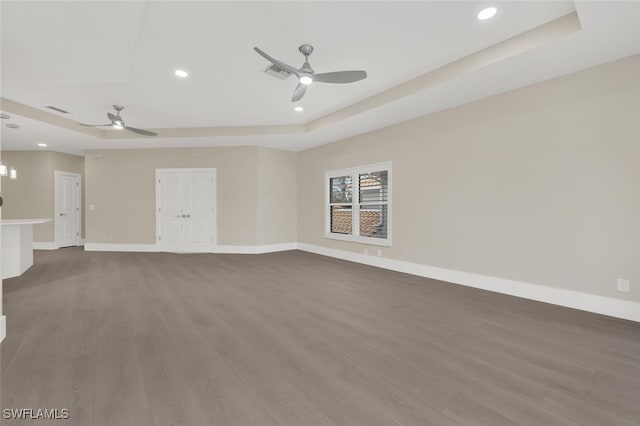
<point>5,170</point>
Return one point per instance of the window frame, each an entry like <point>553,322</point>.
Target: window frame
<point>354,172</point>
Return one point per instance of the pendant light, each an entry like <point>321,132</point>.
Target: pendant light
<point>5,170</point>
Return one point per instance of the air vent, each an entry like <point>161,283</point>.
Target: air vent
<point>57,109</point>
<point>277,72</point>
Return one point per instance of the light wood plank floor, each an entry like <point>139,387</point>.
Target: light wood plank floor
<point>294,338</point>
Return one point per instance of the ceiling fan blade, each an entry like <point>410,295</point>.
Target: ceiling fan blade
<point>111,117</point>
<point>299,92</point>
<point>95,125</point>
<point>140,131</point>
<point>274,61</point>
<point>340,77</point>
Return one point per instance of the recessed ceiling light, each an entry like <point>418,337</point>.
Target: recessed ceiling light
<point>181,73</point>
<point>42,144</point>
<point>4,116</point>
<point>13,126</point>
<point>487,13</point>
<point>299,108</point>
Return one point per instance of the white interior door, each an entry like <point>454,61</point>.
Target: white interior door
<point>198,192</point>
<point>171,211</point>
<point>67,202</point>
<point>186,210</point>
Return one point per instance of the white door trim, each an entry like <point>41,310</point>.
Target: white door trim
<point>159,201</point>
<point>57,174</point>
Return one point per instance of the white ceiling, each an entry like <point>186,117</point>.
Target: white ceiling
<point>85,56</point>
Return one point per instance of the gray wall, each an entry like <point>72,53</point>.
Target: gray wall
<point>32,195</point>
<point>277,196</point>
<point>540,185</point>
<point>250,193</point>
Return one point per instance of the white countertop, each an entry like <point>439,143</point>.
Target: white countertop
<point>24,221</point>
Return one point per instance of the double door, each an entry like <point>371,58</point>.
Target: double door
<point>186,209</point>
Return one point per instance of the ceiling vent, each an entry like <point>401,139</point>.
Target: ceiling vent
<point>57,109</point>
<point>277,72</point>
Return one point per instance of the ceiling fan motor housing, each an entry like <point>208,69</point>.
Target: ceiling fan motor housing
<point>306,68</point>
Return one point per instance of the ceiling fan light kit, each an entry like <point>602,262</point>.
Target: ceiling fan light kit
<point>306,75</point>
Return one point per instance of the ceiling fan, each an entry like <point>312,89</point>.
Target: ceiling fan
<point>306,74</point>
<point>118,123</point>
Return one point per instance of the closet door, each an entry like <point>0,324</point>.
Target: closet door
<point>170,209</point>
<point>186,210</point>
<point>198,206</point>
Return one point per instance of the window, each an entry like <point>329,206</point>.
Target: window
<point>358,204</point>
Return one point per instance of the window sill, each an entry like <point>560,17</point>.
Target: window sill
<point>385,242</point>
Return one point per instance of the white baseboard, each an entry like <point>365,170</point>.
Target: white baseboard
<point>267,248</point>
<point>3,327</point>
<point>618,308</point>
<point>49,245</point>
<point>624,309</point>
<point>121,247</point>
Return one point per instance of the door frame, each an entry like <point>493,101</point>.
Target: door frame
<point>56,236</point>
<point>214,243</point>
